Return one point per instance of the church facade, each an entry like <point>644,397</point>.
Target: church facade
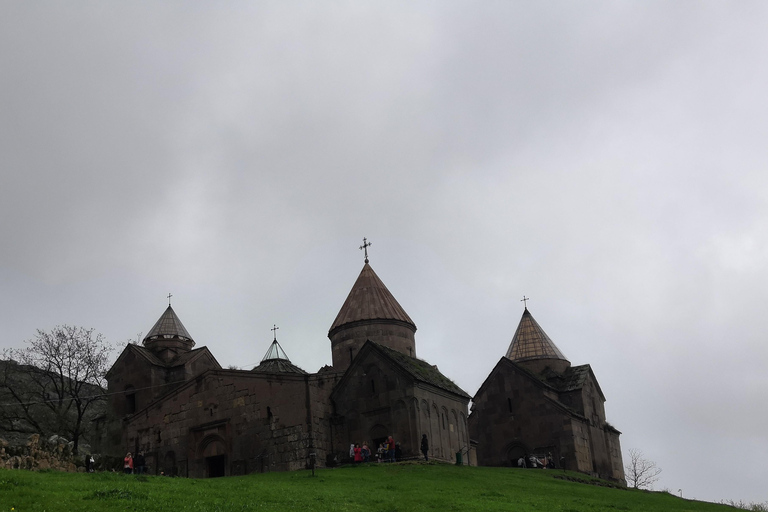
<point>536,408</point>
<point>191,417</point>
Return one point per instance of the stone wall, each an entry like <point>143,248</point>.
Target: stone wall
<point>36,454</point>
<point>377,399</point>
<point>243,421</point>
<point>514,416</point>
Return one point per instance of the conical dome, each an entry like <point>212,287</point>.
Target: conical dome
<point>370,313</point>
<point>531,343</point>
<point>368,300</point>
<point>168,334</point>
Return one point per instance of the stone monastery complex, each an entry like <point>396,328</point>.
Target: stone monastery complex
<point>191,417</point>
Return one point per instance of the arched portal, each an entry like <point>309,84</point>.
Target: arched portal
<point>214,451</point>
<point>515,452</point>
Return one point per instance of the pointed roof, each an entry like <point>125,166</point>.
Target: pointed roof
<point>531,342</point>
<point>370,299</point>
<point>276,361</point>
<point>275,351</point>
<point>168,325</point>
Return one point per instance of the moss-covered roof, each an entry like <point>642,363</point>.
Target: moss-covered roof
<point>421,370</point>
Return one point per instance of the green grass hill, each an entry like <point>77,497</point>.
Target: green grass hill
<point>372,487</point>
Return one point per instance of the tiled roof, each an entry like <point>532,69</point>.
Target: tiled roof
<point>571,380</point>
<point>168,325</point>
<point>422,370</point>
<point>278,366</point>
<point>148,354</point>
<point>531,342</point>
<point>369,299</point>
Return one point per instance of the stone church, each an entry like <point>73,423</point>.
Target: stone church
<point>191,417</point>
<point>534,405</point>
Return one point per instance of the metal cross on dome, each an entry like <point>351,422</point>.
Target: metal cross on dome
<point>274,331</point>
<point>525,300</point>
<point>364,247</point>
<point>169,299</point>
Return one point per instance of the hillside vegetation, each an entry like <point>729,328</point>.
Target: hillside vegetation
<point>372,487</point>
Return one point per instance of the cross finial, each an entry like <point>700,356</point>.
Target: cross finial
<point>364,247</point>
<point>525,300</point>
<point>274,332</point>
<point>169,299</point>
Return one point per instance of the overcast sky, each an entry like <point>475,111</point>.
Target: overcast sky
<point>606,159</point>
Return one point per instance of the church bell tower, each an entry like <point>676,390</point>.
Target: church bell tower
<point>370,313</point>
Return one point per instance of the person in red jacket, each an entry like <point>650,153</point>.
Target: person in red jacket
<point>358,453</point>
<point>128,464</point>
<point>391,449</point>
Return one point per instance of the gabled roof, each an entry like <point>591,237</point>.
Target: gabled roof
<point>573,379</point>
<point>506,363</point>
<point>531,342</point>
<point>168,325</point>
<point>152,359</point>
<point>185,357</point>
<point>370,299</point>
<point>420,370</point>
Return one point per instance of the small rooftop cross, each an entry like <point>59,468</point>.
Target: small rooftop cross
<point>364,247</point>
<point>169,299</point>
<point>525,300</point>
<point>274,331</point>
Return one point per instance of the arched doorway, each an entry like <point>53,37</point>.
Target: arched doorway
<point>516,451</point>
<point>215,454</point>
<point>378,434</point>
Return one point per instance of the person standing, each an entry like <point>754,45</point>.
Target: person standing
<point>128,464</point>
<point>366,452</point>
<point>425,446</point>
<point>357,454</point>
<point>391,449</point>
<point>140,464</point>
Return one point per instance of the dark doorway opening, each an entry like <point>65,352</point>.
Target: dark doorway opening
<point>216,465</point>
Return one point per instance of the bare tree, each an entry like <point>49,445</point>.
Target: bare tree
<point>640,472</point>
<point>53,383</point>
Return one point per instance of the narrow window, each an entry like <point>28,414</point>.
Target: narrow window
<point>509,403</point>
<point>373,386</point>
<point>130,400</point>
<point>350,355</point>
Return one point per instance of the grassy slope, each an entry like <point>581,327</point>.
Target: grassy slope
<point>373,487</point>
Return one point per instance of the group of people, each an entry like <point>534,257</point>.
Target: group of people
<point>388,451</point>
<point>137,465</point>
<point>537,461</point>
